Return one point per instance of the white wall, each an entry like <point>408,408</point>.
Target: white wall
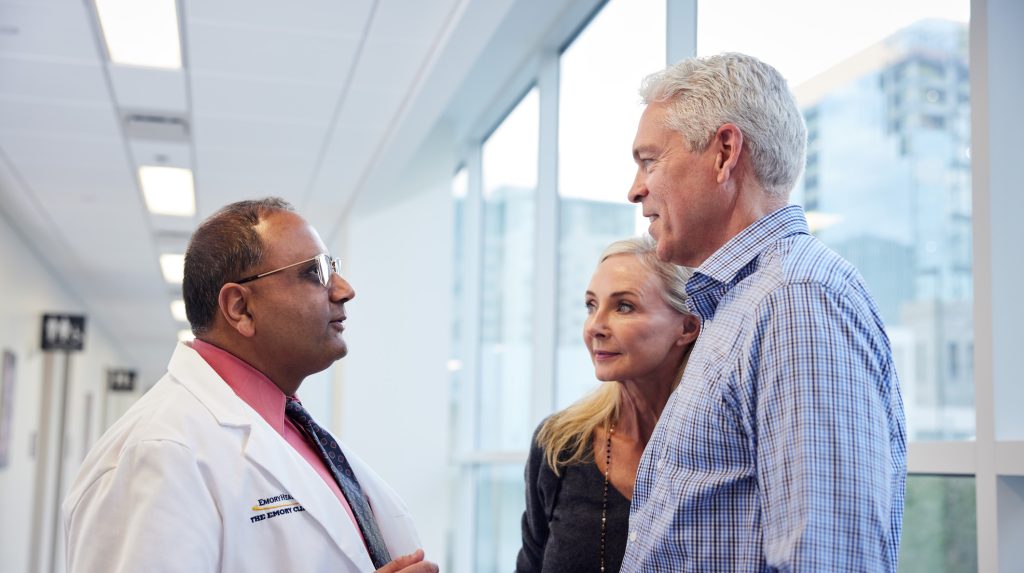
<point>27,291</point>
<point>392,391</point>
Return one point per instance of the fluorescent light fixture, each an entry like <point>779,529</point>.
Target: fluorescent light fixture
<point>186,335</point>
<point>168,190</point>
<point>178,311</point>
<point>173,267</point>
<point>141,33</point>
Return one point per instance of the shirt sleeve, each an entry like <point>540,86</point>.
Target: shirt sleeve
<point>821,412</point>
<point>167,519</point>
<point>538,477</point>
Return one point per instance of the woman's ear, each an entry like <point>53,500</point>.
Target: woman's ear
<point>691,329</point>
<point>234,303</point>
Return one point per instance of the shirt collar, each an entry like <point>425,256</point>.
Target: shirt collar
<point>249,384</point>
<point>738,258</point>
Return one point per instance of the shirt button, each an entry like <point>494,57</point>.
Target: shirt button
<point>632,536</point>
<point>661,463</point>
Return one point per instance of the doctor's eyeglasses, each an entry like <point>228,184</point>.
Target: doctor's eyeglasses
<point>325,265</point>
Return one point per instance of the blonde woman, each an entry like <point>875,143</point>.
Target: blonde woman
<point>584,459</point>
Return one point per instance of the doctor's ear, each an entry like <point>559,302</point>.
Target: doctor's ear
<point>691,329</point>
<point>233,302</point>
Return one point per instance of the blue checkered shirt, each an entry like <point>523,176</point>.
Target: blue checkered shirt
<point>784,446</point>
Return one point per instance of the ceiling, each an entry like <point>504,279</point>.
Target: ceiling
<point>300,99</point>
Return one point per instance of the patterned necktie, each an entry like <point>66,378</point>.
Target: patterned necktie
<point>330,452</point>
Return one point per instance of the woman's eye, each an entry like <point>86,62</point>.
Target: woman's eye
<point>625,307</point>
<point>591,307</point>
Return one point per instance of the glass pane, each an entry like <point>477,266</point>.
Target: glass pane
<point>885,93</point>
<point>598,111</point>
<point>500,502</point>
<point>461,405</point>
<point>939,531</point>
<point>510,184</point>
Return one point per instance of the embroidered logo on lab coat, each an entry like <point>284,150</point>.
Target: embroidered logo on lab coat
<point>269,507</point>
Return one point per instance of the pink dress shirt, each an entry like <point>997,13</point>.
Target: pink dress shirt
<point>262,395</point>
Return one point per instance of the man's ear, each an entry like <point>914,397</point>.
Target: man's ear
<point>691,329</point>
<point>728,144</point>
<point>233,302</point>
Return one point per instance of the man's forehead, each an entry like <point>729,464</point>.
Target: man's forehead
<point>287,233</point>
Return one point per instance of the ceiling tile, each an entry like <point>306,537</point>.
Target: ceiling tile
<point>27,149</point>
<point>67,117</point>
<point>53,30</point>
<point>138,88</point>
<point>255,99</point>
<point>368,111</point>
<point>99,184</point>
<point>410,21</point>
<point>161,153</point>
<point>212,132</point>
<point>53,81</point>
<point>219,165</point>
<point>389,64</point>
<point>271,53</point>
<point>346,18</point>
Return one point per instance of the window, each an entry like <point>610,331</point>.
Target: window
<point>598,111</point>
<point>887,182</point>
<point>939,531</point>
<point>888,185</point>
<point>509,189</point>
<point>492,336</point>
<point>882,170</point>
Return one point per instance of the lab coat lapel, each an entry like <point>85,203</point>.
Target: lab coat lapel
<point>391,514</point>
<point>267,449</point>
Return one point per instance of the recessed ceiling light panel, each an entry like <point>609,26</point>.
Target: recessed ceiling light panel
<point>141,33</point>
<point>168,190</point>
<point>173,267</point>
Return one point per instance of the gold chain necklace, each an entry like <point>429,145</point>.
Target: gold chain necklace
<point>604,497</point>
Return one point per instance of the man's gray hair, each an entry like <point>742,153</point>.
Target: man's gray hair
<point>705,93</point>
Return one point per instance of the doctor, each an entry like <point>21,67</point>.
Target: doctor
<point>219,467</point>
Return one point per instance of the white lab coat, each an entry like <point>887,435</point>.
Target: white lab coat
<point>180,481</point>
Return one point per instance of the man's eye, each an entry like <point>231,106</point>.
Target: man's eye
<point>591,307</point>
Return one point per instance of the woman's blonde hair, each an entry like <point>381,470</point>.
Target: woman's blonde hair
<point>565,435</point>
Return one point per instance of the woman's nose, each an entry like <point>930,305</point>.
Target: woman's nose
<point>596,326</point>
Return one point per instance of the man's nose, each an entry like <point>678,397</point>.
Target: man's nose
<point>638,191</point>
<point>340,290</point>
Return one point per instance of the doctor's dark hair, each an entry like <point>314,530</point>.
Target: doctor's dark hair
<point>221,250</point>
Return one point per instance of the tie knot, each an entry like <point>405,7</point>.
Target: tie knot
<point>293,408</point>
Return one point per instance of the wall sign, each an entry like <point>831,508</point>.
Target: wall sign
<point>120,380</point>
<point>63,331</point>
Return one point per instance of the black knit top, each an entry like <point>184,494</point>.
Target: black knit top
<point>562,521</point>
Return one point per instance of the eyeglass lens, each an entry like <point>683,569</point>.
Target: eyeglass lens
<point>326,265</point>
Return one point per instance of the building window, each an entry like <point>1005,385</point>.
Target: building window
<point>600,77</point>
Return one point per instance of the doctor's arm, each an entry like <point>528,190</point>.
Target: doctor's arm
<point>152,512</point>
